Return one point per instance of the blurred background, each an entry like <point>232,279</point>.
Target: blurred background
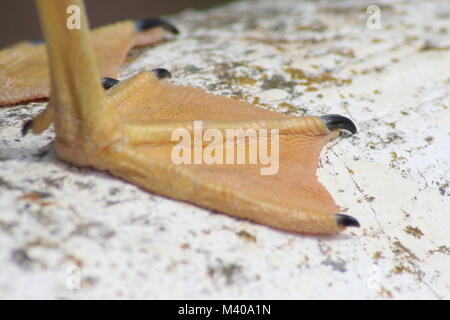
<point>19,21</point>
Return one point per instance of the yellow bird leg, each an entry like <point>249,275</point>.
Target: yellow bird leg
<point>126,131</point>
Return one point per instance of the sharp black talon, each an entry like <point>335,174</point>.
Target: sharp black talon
<point>161,73</point>
<point>144,24</point>
<point>26,127</point>
<point>36,42</point>
<point>109,82</point>
<point>336,121</point>
<point>346,221</point>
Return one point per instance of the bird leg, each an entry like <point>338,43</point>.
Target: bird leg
<point>128,130</point>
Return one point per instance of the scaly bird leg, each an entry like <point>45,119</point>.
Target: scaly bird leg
<point>45,118</point>
<point>126,130</point>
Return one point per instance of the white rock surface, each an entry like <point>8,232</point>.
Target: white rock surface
<point>58,221</point>
<point>273,95</point>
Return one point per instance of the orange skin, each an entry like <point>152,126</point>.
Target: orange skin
<point>126,131</point>
<point>24,72</point>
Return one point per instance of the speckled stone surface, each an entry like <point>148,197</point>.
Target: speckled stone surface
<point>68,232</point>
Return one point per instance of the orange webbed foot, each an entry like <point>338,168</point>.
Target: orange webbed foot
<point>151,110</point>
<point>24,75</point>
<point>186,144</point>
<point>45,118</point>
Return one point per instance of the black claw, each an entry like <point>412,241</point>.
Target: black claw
<point>336,121</point>
<point>346,221</point>
<point>144,24</point>
<point>26,127</point>
<point>161,73</point>
<point>36,42</point>
<point>109,82</point>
